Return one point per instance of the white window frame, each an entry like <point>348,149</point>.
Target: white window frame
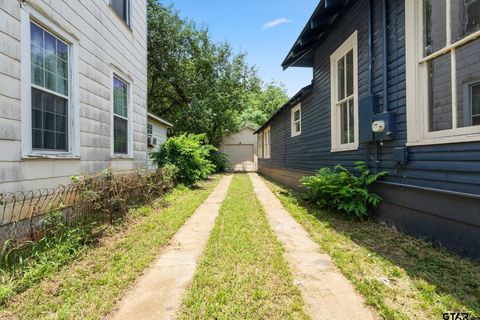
<point>260,145</point>
<point>116,72</point>
<point>350,44</point>
<point>267,143</point>
<point>28,15</point>
<point>417,79</point>
<point>128,20</point>
<point>298,108</point>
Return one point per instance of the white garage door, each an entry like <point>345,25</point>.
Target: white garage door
<point>240,156</point>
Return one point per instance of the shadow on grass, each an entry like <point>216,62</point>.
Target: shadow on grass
<point>449,273</point>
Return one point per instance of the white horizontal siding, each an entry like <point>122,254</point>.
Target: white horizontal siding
<point>104,41</point>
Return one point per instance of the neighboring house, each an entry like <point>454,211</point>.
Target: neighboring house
<point>241,150</point>
<point>395,84</point>
<point>73,94</point>
<point>156,135</point>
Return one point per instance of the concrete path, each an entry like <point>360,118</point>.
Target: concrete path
<point>326,292</point>
<point>158,294</point>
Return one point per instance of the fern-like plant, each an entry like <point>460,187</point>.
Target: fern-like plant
<point>343,190</point>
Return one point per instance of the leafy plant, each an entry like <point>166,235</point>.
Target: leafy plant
<point>340,189</point>
<point>190,154</point>
<point>219,160</point>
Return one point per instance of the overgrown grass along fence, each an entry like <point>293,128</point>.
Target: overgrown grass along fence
<point>101,198</point>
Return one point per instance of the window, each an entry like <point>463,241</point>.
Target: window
<point>120,117</point>
<point>49,90</point>
<point>344,95</point>
<point>442,71</point>
<point>260,145</point>
<point>149,130</point>
<point>296,121</point>
<point>122,8</point>
<point>472,104</point>
<point>266,136</point>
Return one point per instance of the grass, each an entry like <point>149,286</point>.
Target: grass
<point>89,287</point>
<point>243,274</point>
<point>402,277</point>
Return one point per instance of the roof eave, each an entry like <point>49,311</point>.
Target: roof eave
<point>322,18</point>
<point>300,94</point>
<point>158,119</point>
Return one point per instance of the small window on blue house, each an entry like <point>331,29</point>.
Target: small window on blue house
<point>120,116</point>
<point>296,120</point>
<point>49,90</point>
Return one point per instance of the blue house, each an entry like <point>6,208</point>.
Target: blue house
<point>395,84</point>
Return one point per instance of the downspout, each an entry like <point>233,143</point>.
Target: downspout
<point>385,56</point>
<point>370,75</point>
<point>370,47</point>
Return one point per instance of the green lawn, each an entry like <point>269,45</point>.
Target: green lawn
<point>89,287</point>
<point>402,277</point>
<point>243,274</point>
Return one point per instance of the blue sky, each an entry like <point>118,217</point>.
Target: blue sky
<point>245,25</point>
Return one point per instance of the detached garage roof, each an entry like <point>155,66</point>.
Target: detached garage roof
<point>304,91</point>
<point>158,119</point>
<point>326,13</point>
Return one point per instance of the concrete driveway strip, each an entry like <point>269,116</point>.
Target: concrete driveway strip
<point>325,290</point>
<point>158,293</point>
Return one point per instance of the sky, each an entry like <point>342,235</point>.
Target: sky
<point>266,29</point>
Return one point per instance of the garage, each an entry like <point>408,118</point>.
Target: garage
<point>240,157</point>
<point>240,149</point>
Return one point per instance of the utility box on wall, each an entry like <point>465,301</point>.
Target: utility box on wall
<point>367,109</point>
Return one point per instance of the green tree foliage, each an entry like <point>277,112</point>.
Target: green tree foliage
<point>190,154</point>
<point>342,190</point>
<point>262,104</point>
<point>199,85</point>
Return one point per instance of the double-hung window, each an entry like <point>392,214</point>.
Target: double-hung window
<point>120,117</point>
<point>260,145</point>
<point>266,137</point>
<point>122,8</point>
<point>443,71</point>
<point>50,92</point>
<point>296,120</point>
<point>344,96</point>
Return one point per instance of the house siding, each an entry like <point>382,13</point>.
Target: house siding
<point>159,131</point>
<point>449,167</point>
<point>104,42</point>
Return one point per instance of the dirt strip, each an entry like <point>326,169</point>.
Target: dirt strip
<point>325,290</point>
<point>159,292</point>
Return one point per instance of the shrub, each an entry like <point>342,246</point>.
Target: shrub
<point>190,154</point>
<point>219,160</point>
<point>342,190</point>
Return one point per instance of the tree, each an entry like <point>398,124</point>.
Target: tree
<point>200,86</point>
<point>263,104</point>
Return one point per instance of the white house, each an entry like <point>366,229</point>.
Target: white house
<point>73,93</point>
<point>241,150</point>
<point>156,135</point>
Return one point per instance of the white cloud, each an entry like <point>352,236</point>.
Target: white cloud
<point>276,22</point>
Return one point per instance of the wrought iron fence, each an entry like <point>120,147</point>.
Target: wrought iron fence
<point>105,196</point>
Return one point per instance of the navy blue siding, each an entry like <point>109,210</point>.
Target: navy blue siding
<point>453,167</point>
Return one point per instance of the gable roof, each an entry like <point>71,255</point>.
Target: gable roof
<point>158,119</point>
<point>324,16</point>
<point>300,94</point>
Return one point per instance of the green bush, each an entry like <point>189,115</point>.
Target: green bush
<point>342,190</point>
<point>190,154</point>
<point>219,160</point>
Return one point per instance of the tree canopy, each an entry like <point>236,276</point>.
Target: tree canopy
<point>199,85</point>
